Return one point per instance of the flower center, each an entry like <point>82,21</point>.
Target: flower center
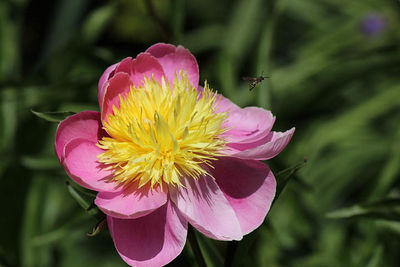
<point>161,133</point>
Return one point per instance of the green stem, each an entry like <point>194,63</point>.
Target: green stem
<point>194,244</point>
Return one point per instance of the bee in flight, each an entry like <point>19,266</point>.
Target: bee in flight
<point>253,81</point>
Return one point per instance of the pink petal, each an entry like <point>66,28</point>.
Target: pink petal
<point>205,207</point>
<point>277,142</point>
<point>151,240</point>
<point>131,203</point>
<point>125,66</point>
<point>160,49</point>
<point>86,125</point>
<point>80,163</point>
<point>108,73</point>
<point>248,125</point>
<point>120,84</point>
<point>249,187</point>
<point>145,65</point>
<point>173,59</point>
<point>224,104</point>
<point>128,73</point>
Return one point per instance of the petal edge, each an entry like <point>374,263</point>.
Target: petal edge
<point>163,231</point>
<point>205,207</point>
<point>131,203</point>
<point>249,186</point>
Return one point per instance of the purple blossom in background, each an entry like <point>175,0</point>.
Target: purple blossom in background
<point>373,24</point>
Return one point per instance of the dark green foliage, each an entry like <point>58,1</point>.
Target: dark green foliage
<point>335,81</point>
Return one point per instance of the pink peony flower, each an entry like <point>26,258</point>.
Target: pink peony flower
<point>164,152</point>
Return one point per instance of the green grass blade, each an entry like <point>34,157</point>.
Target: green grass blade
<point>53,116</point>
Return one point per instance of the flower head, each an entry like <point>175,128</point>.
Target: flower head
<point>164,152</point>
<point>168,134</point>
<point>373,24</point>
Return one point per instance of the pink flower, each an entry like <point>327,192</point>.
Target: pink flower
<point>164,152</point>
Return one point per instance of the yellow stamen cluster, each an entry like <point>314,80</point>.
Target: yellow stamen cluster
<point>161,133</point>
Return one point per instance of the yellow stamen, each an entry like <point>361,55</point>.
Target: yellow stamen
<point>160,134</point>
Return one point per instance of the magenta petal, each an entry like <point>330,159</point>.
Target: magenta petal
<point>80,162</point>
<point>277,142</point>
<point>108,73</point>
<point>125,66</point>
<point>173,59</point>
<point>131,203</point>
<point>248,125</point>
<point>145,65</point>
<point>205,207</point>
<point>249,187</point>
<point>151,240</point>
<point>118,85</point>
<point>161,49</point>
<point>86,125</point>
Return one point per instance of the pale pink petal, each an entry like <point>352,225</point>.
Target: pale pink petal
<point>233,148</point>
<point>118,85</point>
<point>131,203</point>
<point>224,104</point>
<point>152,240</point>
<point>249,187</point>
<point>173,59</point>
<point>108,73</point>
<point>80,163</point>
<point>247,125</point>
<point>86,125</point>
<point>145,65</point>
<point>277,142</point>
<point>205,207</point>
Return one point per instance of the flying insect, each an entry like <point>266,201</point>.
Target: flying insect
<point>253,81</point>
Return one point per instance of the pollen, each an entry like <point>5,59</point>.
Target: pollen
<point>162,133</point>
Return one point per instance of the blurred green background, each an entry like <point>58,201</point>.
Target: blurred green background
<point>335,76</point>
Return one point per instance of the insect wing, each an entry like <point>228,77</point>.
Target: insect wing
<point>252,85</point>
<point>248,79</point>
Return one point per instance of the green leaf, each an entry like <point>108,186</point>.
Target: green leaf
<point>31,222</point>
<point>390,171</point>
<point>40,163</point>
<point>9,53</point>
<point>237,251</point>
<point>390,226</point>
<point>204,38</point>
<point>283,177</point>
<point>53,116</point>
<point>237,40</point>
<point>63,25</point>
<point>385,209</point>
<point>376,258</point>
<point>9,119</point>
<point>56,235</point>
<point>264,92</point>
<point>80,198</point>
<point>97,22</point>
<point>178,19</point>
<point>209,251</point>
<point>194,244</point>
<point>85,200</point>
